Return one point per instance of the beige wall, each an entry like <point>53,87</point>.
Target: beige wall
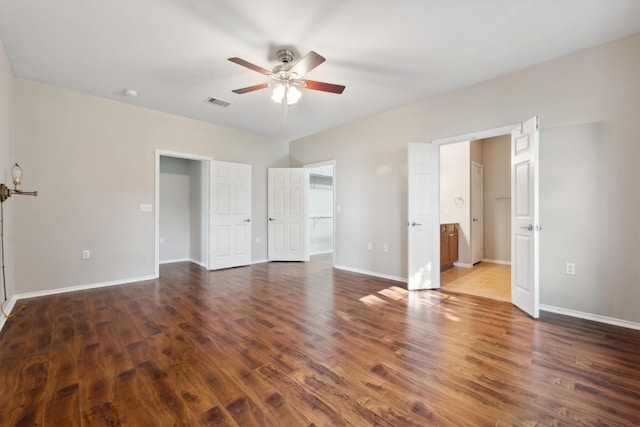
<point>455,184</point>
<point>497,212</point>
<point>6,162</point>
<point>589,156</point>
<point>93,162</point>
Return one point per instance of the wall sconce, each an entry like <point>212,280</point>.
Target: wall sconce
<point>6,192</point>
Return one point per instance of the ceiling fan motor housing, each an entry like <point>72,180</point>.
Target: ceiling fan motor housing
<point>285,55</point>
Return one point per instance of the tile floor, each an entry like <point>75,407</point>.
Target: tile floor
<point>483,279</point>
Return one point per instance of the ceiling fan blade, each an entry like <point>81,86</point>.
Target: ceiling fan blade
<point>324,87</point>
<point>250,66</point>
<point>251,88</point>
<point>307,63</point>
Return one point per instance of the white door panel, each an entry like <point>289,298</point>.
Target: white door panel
<point>230,215</point>
<point>424,219</point>
<point>287,211</point>
<point>524,220</point>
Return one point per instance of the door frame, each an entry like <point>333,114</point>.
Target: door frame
<point>206,161</point>
<point>474,198</point>
<point>331,163</point>
<point>489,133</point>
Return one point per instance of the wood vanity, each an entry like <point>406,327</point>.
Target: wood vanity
<point>448,245</point>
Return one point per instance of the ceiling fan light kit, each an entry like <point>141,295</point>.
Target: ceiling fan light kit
<point>288,93</point>
<point>288,77</point>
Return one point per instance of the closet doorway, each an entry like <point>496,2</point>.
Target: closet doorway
<point>181,208</point>
<point>321,199</point>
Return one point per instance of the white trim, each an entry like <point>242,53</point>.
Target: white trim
<point>198,262</point>
<point>206,207</point>
<point>462,264</point>
<point>83,287</point>
<point>8,309</point>
<point>169,261</point>
<point>483,134</point>
<point>589,316</point>
<point>259,261</point>
<point>496,261</point>
<point>372,273</point>
<point>319,253</point>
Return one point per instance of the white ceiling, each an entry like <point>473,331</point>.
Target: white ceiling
<point>386,52</point>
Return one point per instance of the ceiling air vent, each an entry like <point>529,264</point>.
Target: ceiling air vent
<point>216,101</point>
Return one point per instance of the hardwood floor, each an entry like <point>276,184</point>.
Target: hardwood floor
<point>299,344</point>
<point>484,279</point>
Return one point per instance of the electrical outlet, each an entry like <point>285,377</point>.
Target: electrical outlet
<point>570,268</point>
<point>370,246</point>
<point>385,248</point>
<point>86,254</point>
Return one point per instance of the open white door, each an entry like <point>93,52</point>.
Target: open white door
<point>287,211</point>
<point>524,217</point>
<point>230,206</point>
<point>424,217</point>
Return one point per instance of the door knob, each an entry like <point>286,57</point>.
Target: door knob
<point>413,224</point>
<point>475,220</point>
<point>271,219</point>
<point>528,227</point>
<point>247,220</point>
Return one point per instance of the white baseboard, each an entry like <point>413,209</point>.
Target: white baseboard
<point>372,273</point>
<point>462,264</point>
<point>496,261</point>
<point>321,252</point>
<point>169,261</point>
<point>259,261</point>
<point>589,316</point>
<point>198,262</point>
<point>82,287</point>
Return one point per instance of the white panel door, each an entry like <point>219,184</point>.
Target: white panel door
<point>287,214</point>
<point>524,217</point>
<point>477,215</point>
<point>424,218</point>
<point>230,205</point>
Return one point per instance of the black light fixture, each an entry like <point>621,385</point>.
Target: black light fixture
<point>6,192</point>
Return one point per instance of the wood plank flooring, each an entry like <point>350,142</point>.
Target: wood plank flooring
<point>301,344</point>
<point>484,279</point>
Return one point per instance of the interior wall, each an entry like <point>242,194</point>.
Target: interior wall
<point>7,160</point>
<point>497,211</point>
<point>93,162</point>
<point>175,209</point>
<point>587,103</point>
<point>455,194</point>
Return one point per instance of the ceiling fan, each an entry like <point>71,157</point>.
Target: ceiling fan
<point>288,77</point>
